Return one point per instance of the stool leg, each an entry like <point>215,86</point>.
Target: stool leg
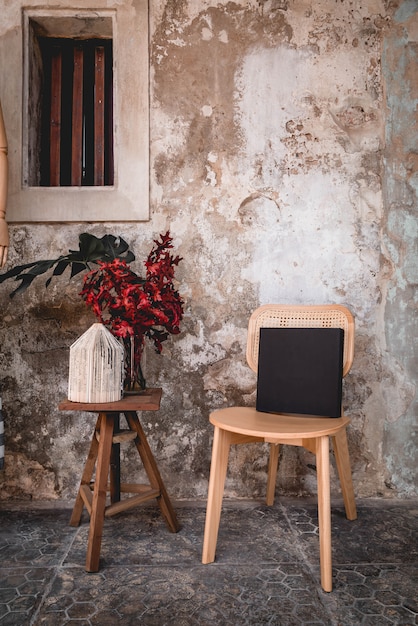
<point>99,495</point>
<point>86,477</point>
<point>152,471</point>
<point>115,465</point>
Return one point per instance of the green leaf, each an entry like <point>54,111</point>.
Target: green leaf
<point>61,267</point>
<point>117,248</point>
<point>91,250</point>
<point>26,280</point>
<point>41,267</point>
<point>76,268</point>
<point>15,271</point>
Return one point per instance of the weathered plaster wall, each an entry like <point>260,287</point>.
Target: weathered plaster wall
<point>400,236</point>
<point>280,163</point>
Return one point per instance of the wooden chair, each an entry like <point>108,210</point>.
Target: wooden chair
<point>238,425</point>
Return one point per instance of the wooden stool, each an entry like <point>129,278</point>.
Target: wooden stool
<point>104,454</point>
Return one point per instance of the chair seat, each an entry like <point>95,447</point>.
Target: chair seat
<point>270,426</point>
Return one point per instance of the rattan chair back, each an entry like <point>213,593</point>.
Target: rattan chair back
<point>300,316</point>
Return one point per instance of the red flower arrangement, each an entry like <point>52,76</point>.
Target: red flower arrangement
<point>134,308</point>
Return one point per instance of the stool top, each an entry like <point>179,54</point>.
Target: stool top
<point>147,400</point>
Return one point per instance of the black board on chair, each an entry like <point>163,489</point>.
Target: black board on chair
<point>300,371</point>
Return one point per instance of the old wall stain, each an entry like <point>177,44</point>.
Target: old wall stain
<point>283,162</point>
<point>400,238</point>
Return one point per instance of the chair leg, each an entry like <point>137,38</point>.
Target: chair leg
<point>272,473</point>
<point>324,512</point>
<point>342,459</point>
<point>219,464</point>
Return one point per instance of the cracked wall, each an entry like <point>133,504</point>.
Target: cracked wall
<point>283,140</point>
<point>400,236</point>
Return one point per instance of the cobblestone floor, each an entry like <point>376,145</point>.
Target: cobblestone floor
<point>266,572</point>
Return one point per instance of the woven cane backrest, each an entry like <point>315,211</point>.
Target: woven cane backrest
<point>300,316</point>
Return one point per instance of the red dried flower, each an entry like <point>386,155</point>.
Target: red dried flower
<point>134,307</point>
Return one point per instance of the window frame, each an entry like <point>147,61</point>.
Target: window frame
<point>128,198</point>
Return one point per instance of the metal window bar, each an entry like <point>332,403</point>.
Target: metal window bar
<point>55,117</point>
<point>77,111</point>
<point>99,95</point>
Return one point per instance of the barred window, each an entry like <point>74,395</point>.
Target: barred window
<point>84,150</point>
<point>76,143</point>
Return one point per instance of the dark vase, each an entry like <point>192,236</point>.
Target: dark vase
<point>134,353</point>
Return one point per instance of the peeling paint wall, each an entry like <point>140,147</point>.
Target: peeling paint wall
<point>400,237</point>
<point>283,161</point>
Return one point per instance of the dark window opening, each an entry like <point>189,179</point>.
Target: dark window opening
<point>76,146</point>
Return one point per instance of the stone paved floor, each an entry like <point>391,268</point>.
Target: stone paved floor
<point>266,570</point>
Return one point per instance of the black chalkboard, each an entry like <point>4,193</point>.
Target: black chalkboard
<point>300,371</point>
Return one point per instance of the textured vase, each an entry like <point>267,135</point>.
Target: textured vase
<point>96,367</point>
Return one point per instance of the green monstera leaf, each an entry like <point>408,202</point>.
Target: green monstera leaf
<point>91,250</point>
